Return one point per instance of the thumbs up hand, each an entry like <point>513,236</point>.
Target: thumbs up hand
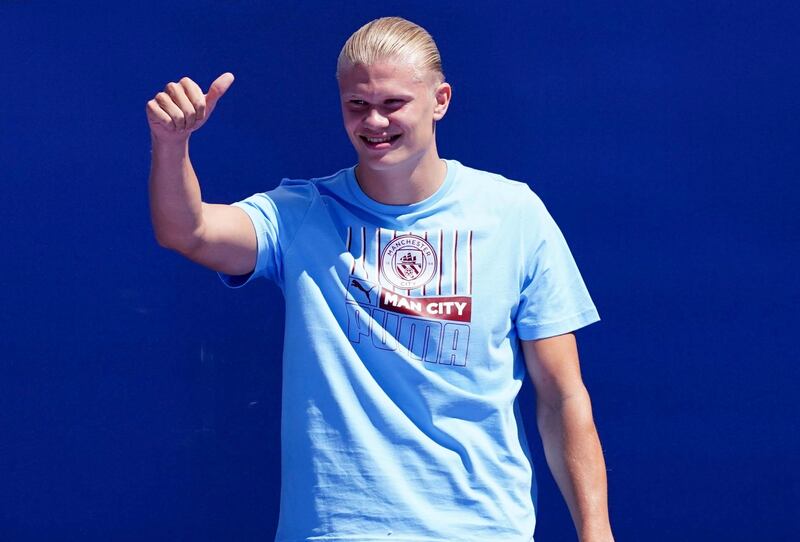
<point>182,107</point>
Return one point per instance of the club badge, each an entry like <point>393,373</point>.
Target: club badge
<point>408,262</point>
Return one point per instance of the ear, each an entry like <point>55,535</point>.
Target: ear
<point>443,93</point>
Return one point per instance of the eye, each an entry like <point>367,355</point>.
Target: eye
<point>357,103</point>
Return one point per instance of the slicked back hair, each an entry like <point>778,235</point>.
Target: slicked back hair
<point>391,38</point>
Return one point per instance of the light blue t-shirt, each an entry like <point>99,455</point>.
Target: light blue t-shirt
<point>401,359</point>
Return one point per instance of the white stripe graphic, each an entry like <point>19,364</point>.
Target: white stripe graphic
<point>425,236</point>
<point>349,240</point>
<point>378,255</point>
<point>455,263</point>
<point>469,267</point>
<point>364,251</point>
<point>441,262</point>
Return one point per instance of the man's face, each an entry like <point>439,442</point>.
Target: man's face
<point>389,111</point>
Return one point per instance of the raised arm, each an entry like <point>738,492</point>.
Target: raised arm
<point>220,237</point>
<point>569,436</point>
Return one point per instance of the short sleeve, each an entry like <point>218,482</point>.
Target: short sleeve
<point>277,216</point>
<point>553,298</point>
<point>264,216</point>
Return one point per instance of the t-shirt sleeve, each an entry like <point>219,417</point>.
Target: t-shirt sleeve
<point>263,214</point>
<point>553,297</point>
<point>276,215</point>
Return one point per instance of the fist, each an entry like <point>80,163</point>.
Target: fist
<point>182,107</point>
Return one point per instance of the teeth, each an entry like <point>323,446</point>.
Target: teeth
<point>378,139</point>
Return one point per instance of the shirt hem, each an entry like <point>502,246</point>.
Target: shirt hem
<point>543,331</point>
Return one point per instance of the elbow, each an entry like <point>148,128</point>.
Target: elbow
<point>165,239</point>
<point>162,239</point>
<point>183,244</point>
<point>576,407</point>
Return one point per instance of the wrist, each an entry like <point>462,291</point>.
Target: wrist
<point>596,535</point>
<point>169,146</point>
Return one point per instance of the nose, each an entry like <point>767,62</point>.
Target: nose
<point>375,120</point>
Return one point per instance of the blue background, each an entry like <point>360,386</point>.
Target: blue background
<point>139,398</point>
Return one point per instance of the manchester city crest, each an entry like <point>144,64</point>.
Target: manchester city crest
<point>408,262</point>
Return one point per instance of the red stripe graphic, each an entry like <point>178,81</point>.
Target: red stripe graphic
<point>394,236</point>
<point>438,285</point>
<point>455,262</point>
<point>425,236</point>
<point>378,255</point>
<point>470,261</point>
<point>441,260</point>
<point>408,292</point>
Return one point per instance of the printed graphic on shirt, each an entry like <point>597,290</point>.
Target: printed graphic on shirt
<point>408,261</point>
<point>411,292</point>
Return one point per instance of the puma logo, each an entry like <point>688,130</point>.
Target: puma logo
<point>360,287</point>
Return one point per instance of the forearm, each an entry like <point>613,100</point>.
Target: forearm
<point>575,458</point>
<point>175,200</point>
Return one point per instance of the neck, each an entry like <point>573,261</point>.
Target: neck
<point>403,184</point>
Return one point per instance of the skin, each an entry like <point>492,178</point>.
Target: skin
<point>220,237</point>
<point>388,99</point>
<point>569,436</point>
<point>391,98</point>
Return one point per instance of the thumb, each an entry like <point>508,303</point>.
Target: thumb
<point>219,87</point>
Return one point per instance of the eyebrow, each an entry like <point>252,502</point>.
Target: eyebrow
<point>388,96</point>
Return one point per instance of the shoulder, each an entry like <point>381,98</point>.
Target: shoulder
<point>287,205</point>
<point>301,193</point>
<point>497,190</point>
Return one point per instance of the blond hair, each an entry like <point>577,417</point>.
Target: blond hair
<point>391,38</point>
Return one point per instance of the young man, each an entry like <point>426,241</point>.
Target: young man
<point>415,289</point>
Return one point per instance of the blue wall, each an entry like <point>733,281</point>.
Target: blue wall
<point>139,399</point>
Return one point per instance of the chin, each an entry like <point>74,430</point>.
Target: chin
<point>381,162</point>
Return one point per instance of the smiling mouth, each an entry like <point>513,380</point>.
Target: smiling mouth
<point>379,140</point>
